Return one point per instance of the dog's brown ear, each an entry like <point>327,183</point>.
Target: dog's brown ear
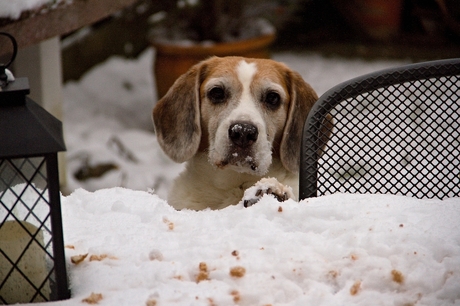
<point>176,116</point>
<point>302,99</point>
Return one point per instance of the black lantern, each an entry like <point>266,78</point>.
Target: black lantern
<point>32,262</point>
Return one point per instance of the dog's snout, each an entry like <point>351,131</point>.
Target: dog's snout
<point>243,134</point>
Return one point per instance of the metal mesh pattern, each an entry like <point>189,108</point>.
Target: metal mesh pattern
<point>26,251</point>
<point>396,131</point>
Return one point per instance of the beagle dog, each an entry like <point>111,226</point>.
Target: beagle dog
<point>237,122</point>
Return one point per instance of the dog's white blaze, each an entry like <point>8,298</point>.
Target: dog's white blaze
<point>246,109</point>
<point>246,72</point>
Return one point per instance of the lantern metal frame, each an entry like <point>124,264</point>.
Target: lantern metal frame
<point>51,196</point>
<point>30,139</point>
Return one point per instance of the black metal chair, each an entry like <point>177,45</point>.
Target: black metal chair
<point>396,131</point>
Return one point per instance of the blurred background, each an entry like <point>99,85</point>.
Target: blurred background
<point>416,29</point>
<point>97,61</point>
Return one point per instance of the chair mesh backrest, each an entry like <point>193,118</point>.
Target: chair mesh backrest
<point>396,131</point>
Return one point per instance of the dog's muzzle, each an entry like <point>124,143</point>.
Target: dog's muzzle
<point>244,152</point>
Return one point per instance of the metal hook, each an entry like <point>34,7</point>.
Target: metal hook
<point>3,75</point>
<point>15,48</point>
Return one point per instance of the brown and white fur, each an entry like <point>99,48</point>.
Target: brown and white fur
<point>234,121</point>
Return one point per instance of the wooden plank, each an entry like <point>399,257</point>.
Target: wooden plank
<point>65,18</point>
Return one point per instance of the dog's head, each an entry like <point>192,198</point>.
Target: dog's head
<point>241,112</point>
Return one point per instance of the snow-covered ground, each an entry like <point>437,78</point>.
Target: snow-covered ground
<point>126,247</point>
<point>333,250</point>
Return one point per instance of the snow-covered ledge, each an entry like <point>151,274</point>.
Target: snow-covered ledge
<point>39,22</point>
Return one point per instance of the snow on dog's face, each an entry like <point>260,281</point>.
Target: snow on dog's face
<point>241,112</point>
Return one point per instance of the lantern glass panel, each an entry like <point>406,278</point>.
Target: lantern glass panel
<point>27,272</point>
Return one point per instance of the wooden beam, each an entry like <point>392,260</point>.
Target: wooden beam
<point>36,26</point>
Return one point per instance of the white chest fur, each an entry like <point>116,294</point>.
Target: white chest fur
<point>201,185</point>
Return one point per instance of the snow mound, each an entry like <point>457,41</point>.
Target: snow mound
<point>334,250</point>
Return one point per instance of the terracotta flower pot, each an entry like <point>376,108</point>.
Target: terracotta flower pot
<point>380,18</point>
<point>171,61</point>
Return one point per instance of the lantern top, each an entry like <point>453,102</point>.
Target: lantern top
<point>26,129</point>
<point>14,93</point>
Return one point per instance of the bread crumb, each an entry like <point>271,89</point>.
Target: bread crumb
<point>155,255</point>
<point>237,271</point>
<point>203,267</point>
<point>236,296</point>
<point>398,277</point>
<point>94,298</point>
<point>77,259</point>
<point>235,253</point>
<point>169,223</point>
<point>333,274</point>
<point>354,290</point>
<point>203,274</point>
<point>151,303</point>
<point>69,246</point>
<point>97,257</point>
<point>211,302</point>
<point>100,257</point>
<point>280,209</point>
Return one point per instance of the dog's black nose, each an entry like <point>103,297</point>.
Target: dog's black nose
<point>243,134</point>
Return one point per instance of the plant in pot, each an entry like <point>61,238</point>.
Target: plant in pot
<point>185,32</point>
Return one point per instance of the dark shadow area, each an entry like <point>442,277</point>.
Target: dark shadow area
<point>372,29</point>
<point>416,29</point>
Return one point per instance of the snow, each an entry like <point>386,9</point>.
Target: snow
<point>339,249</point>
<point>334,250</point>
<point>114,102</point>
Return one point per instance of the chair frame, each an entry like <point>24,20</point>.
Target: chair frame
<point>311,140</point>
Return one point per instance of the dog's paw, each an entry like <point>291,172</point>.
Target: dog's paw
<point>267,186</point>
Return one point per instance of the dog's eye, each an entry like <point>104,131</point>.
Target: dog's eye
<point>217,95</point>
<point>272,99</point>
